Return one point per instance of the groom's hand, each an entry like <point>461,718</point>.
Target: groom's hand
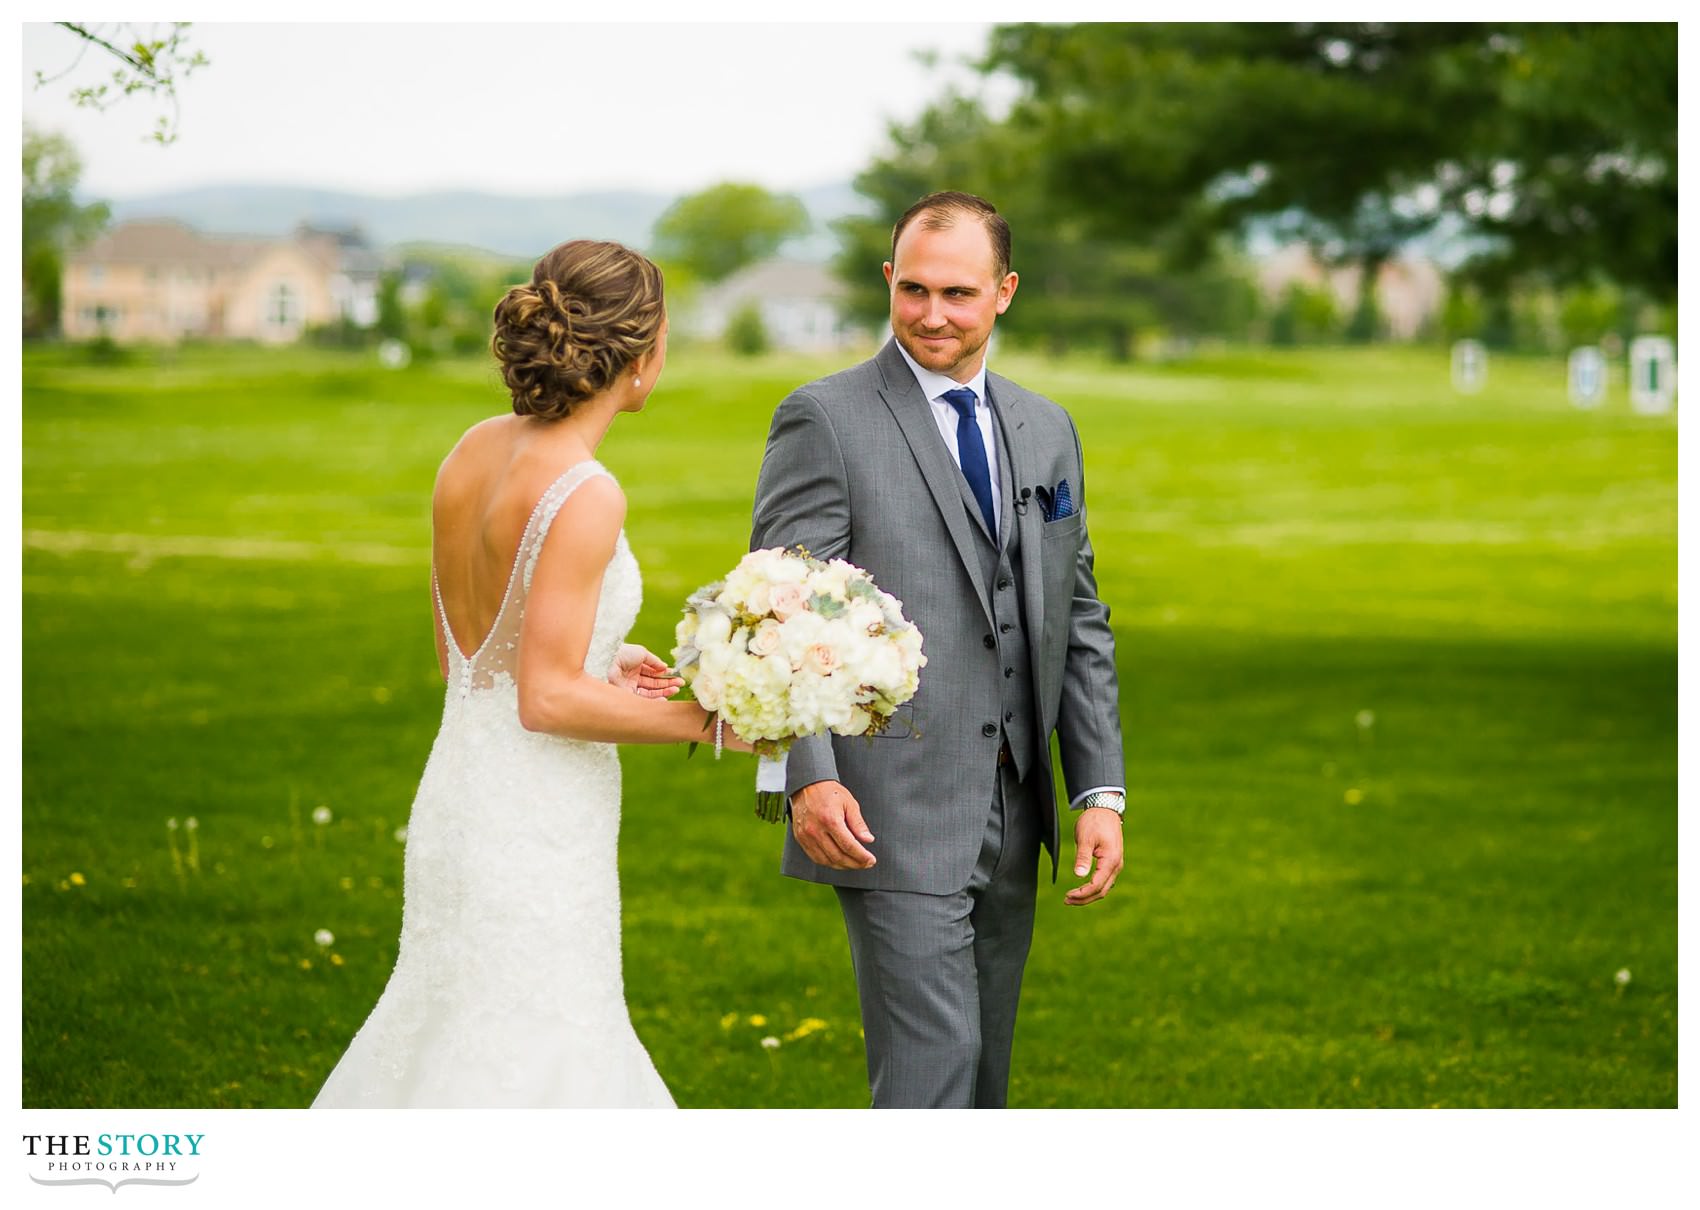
<point>827,822</point>
<point>1097,838</point>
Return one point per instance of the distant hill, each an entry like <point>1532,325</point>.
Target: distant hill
<point>509,226</point>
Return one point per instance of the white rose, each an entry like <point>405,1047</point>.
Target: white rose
<point>757,601</point>
<point>865,616</point>
<point>766,640</point>
<point>713,628</point>
<point>786,569</point>
<point>716,659</point>
<point>708,687</point>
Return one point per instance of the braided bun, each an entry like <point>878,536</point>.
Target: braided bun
<point>593,307</point>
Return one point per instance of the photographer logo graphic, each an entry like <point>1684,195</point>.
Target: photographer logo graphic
<point>113,1160</point>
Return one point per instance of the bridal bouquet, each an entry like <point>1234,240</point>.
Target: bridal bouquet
<point>787,646</point>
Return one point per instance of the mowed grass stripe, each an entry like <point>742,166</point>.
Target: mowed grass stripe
<point>189,546</point>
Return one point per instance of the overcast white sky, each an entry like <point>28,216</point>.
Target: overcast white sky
<point>539,109</point>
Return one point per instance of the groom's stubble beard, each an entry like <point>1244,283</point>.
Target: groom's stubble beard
<point>963,360</point>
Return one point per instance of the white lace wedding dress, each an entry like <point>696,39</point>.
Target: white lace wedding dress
<point>507,988</point>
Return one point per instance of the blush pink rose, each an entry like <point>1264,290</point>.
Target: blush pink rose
<point>786,600</point>
<point>821,658</point>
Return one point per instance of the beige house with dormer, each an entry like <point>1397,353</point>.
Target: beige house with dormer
<point>159,281</point>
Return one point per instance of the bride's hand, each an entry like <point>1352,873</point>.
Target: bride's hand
<point>636,669</point>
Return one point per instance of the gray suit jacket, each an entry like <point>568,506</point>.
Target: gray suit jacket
<point>855,468</point>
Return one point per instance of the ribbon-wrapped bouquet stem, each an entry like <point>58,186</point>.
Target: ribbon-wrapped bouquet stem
<point>788,646</point>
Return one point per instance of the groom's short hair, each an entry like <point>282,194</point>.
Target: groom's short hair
<point>940,210</point>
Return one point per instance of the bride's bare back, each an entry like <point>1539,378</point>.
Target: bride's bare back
<point>486,491</point>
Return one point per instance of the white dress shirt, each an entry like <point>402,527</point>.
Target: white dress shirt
<point>933,386</point>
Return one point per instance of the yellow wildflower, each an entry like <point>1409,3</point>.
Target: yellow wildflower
<point>728,1021</point>
<point>805,1027</point>
<point>77,879</point>
<point>758,1020</point>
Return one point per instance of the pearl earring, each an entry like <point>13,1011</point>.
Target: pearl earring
<point>636,381</point>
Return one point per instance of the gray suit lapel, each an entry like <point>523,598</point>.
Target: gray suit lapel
<point>909,407</point>
<point>1024,473</point>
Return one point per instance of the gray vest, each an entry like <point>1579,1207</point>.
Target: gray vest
<point>1000,572</point>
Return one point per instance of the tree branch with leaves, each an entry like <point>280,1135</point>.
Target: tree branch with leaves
<point>150,61</point>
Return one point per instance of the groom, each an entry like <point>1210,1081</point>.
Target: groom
<point>961,493</point>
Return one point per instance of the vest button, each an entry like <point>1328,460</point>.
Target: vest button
<point>989,641</point>
<point>1009,716</point>
<point>1002,584</point>
<point>1008,672</point>
<point>1006,627</point>
<point>989,730</point>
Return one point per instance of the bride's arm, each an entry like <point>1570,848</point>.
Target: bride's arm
<point>556,694</point>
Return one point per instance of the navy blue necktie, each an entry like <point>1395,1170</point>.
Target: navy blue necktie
<point>971,452</point>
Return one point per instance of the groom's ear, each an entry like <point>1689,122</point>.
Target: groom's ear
<point>888,273</point>
<point>1006,290</point>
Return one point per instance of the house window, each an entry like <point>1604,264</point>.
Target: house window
<point>282,310</point>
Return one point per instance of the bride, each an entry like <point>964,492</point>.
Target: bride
<point>507,988</point>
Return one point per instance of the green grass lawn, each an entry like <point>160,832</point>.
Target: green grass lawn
<point>1398,689</point>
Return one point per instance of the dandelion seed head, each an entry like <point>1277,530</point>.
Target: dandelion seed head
<point>191,823</point>
<point>171,824</point>
<point>401,834</point>
<point>1366,719</point>
<point>321,815</point>
<point>770,1043</point>
<point>1622,977</point>
<point>323,938</point>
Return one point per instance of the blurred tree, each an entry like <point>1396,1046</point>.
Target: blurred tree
<point>1587,313</point>
<point>1555,142</point>
<point>151,60</point>
<point>746,334</point>
<point>727,226</point>
<point>1463,315</point>
<point>1305,315</point>
<point>392,316</point>
<point>53,223</point>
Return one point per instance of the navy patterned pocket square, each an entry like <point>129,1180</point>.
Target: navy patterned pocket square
<point>1055,505</point>
<point>1063,506</point>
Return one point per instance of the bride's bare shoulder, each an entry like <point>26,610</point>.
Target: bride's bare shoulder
<point>485,445</point>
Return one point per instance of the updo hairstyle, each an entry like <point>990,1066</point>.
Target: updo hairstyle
<point>593,307</point>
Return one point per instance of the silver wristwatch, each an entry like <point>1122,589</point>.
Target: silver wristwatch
<point>1105,798</point>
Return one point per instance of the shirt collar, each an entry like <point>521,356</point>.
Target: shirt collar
<point>933,385</point>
